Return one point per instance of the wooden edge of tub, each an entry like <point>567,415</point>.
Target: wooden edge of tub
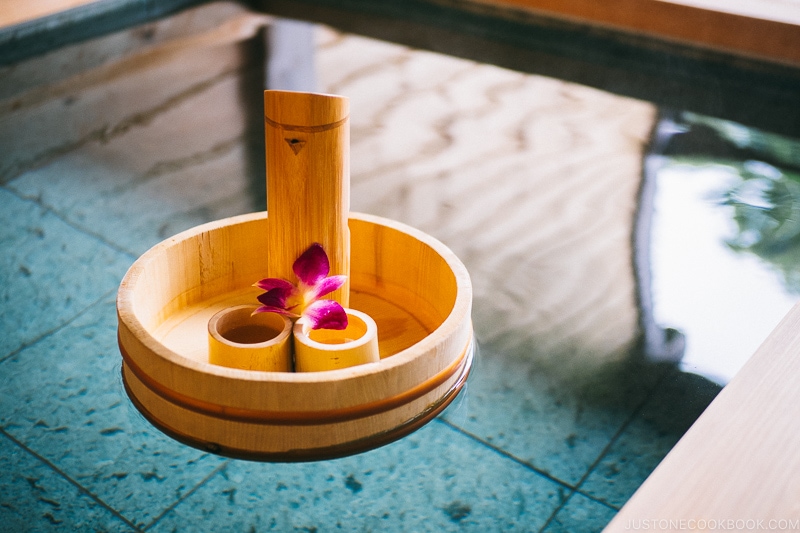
<point>740,460</point>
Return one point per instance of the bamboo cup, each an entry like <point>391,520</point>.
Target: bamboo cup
<point>238,339</point>
<point>330,349</point>
<point>308,181</point>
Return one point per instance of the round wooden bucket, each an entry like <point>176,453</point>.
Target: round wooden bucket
<point>415,288</point>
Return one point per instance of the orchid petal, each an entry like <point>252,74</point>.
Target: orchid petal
<point>277,297</point>
<point>325,314</point>
<point>312,265</point>
<point>268,284</point>
<point>326,286</point>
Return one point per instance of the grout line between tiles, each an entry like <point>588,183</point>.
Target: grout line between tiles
<point>556,511</point>
<point>567,500</point>
<point>106,132</point>
<point>194,489</point>
<point>83,490</point>
<point>59,327</point>
<point>96,236</point>
<point>171,166</point>
<point>605,450</point>
<point>597,500</point>
<point>527,465</point>
<point>201,210</point>
<point>505,454</point>
<point>623,427</point>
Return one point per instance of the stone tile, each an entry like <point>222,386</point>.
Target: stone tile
<point>67,61</point>
<point>139,217</point>
<point>49,271</point>
<point>34,498</point>
<point>43,124</point>
<point>183,169</point>
<point>557,415</point>
<point>433,480</point>
<point>675,405</point>
<point>580,514</point>
<point>63,398</point>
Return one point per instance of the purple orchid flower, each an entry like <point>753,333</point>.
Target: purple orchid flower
<point>303,300</point>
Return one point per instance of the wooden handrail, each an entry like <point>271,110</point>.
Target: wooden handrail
<point>18,12</point>
<point>763,29</point>
<point>739,461</point>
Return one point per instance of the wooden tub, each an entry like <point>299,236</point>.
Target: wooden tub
<point>414,287</point>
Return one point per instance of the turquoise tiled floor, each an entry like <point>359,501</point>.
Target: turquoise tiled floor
<point>533,445</point>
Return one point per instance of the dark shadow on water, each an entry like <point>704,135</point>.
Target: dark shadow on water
<point>251,90</point>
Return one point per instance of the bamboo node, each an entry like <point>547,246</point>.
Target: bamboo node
<point>305,128</point>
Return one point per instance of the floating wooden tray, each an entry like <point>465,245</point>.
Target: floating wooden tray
<point>414,287</point>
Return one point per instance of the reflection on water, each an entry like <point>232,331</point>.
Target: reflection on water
<point>766,209</point>
<point>725,244</point>
<point>724,302</point>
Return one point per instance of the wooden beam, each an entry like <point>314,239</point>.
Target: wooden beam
<point>754,92</point>
<point>19,12</point>
<point>740,460</point>
<point>763,29</point>
<point>84,20</point>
